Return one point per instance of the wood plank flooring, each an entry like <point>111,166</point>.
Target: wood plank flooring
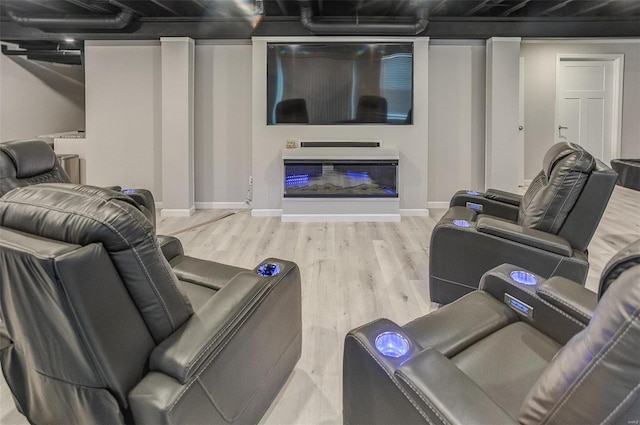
<point>352,273</point>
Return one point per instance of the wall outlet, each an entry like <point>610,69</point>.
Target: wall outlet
<point>250,180</point>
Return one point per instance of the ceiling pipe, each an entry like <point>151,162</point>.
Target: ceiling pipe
<point>356,28</point>
<point>116,22</point>
<point>65,52</point>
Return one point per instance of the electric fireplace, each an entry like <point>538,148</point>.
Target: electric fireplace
<point>355,180</point>
<point>318,178</point>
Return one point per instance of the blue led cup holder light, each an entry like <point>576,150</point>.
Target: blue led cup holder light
<point>473,193</point>
<point>461,223</point>
<point>523,278</point>
<point>392,344</point>
<point>269,269</point>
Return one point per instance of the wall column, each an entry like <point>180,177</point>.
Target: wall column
<point>502,150</point>
<point>178,55</point>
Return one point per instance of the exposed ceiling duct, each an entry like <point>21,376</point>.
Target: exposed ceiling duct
<point>64,56</point>
<point>117,22</point>
<point>361,28</point>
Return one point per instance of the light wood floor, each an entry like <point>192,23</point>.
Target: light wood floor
<point>352,273</point>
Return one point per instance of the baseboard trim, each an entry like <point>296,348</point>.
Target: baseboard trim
<point>221,206</point>
<point>339,218</point>
<point>414,212</point>
<point>442,205</point>
<point>265,213</point>
<point>177,212</point>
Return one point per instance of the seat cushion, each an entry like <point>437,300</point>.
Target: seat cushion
<point>507,363</point>
<point>205,273</point>
<point>198,294</point>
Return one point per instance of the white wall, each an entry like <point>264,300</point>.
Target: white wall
<point>222,123</point>
<point>123,119</point>
<point>123,88</point>
<point>410,140</point>
<point>540,85</point>
<point>456,119</point>
<point>39,98</point>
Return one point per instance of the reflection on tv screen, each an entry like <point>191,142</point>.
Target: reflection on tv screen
<point>339,83</point>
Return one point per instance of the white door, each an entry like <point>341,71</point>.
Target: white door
<point>586,102</point>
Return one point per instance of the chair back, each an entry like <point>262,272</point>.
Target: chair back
<point>84,215</point>
<point>595,378</point>
<point>291,111</point>
<point>27,162</point>
<point>85,295</point>
<point>569,195</point>
<point>371,109</point>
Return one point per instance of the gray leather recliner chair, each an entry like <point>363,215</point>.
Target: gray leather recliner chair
<point>102,328</point>
<point>548,229</point>
<point>549,352</point>
<point>27,162</point>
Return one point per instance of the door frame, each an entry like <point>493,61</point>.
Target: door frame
<point>616,103</point>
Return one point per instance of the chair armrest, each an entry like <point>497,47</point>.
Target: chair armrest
<point>502,196</point>
<point>569,297</point>
<point>170,246</point>
<point>445,393</point>
<point>210,329</point>
<point>483,205</point>
<point>530,237</point>
<point>530,306</point>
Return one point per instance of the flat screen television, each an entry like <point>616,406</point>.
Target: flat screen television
<point>339,83</point>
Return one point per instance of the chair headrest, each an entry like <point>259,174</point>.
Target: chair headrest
<point>625,259</point>
<point>582,162</point>
<point>30,157</point>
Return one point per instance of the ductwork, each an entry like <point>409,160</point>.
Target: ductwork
<point>356,28</point>
<point>116,22</point>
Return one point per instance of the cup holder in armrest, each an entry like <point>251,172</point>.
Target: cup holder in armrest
<point>269,269</point>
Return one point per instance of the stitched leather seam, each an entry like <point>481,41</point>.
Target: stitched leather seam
<point>570,191</point>
<point>391,377</point>
<point>421,395</point>
<point>213,357</point>
<point>564,303</point>
<point>535,296</point>
<point>160,257</point>
<point>558,189</point>
<point>606,420</point>
<point>591,367</point>
<point>205,350</point>
<point>256,391</point>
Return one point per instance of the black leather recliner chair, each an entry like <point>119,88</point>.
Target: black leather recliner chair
<point>27,162</point>
<point>292,111</point>
<point>549,352</point>
<point>101,328</point>
<point>548,229</point>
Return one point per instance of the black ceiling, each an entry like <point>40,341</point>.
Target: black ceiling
<point>42,26</point>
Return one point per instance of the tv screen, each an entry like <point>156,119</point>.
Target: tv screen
<point>339,83</point>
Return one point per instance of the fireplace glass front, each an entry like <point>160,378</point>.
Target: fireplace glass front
<point>340,179</point>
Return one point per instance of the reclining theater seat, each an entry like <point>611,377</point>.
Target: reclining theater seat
<point>100,329</point>
<point>27,162</point>
<point>550,352</point>
<point>548,229</point>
